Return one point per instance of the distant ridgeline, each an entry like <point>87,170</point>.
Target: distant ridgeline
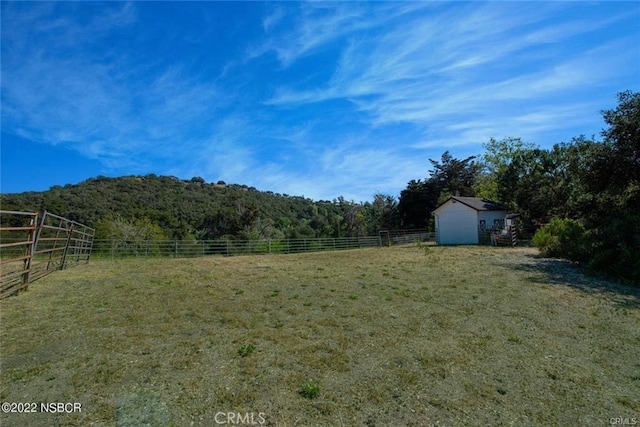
<point>164,207</point>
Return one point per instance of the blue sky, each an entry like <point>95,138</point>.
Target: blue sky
<point>310,99</point>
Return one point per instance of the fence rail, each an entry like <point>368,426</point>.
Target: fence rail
<point>194,248</point>
<point>17,237</point>
<point>31,249</point>
<point>399,237</point>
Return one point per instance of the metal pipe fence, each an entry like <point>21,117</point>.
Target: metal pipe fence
<point>195,248</point>
<point>32,248</point>
<point>400,237</point>
<point>60,243</point>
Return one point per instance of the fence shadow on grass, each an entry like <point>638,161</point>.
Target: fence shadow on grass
<point>565,273</point>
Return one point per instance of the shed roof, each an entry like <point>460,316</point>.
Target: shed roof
<point>478,203</point>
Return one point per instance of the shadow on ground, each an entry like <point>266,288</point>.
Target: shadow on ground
<point>561,272</point>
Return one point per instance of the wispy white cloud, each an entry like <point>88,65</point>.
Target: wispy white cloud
<point>272,19</point>
<point>318,24</point>
<point>101,103</point>
<point>355,174</point>
<point>460,62</point>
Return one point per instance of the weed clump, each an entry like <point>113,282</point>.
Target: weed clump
<point>309,390</point>
<point>246,350</point>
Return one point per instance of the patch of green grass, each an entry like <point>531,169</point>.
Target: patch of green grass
<point>309,390</point>
<point>246,349</point>
<point>514,339</point>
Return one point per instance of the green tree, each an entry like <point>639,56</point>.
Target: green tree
<point>613,181</point>
<point>455,177</point>
<point>613,171</point>
<point>382,213</point>
<point>416,203</point>
<point>116,227</point>
<point>354,221</point>
<point>622,137</point>
<point>537,183</point>
<point>494,163</point>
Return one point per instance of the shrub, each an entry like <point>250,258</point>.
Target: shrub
<point>563,238</point>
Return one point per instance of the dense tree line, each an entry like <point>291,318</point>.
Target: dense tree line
<point>588,191</point>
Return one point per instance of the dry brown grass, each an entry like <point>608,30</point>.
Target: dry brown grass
<point>391,336</point>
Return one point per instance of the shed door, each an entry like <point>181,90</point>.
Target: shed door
<point>458,225</point>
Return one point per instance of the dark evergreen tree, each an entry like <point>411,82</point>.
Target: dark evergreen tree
<point>417,201</point>
<point>455,177</point>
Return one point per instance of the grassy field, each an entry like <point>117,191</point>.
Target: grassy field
<point>373,337</point>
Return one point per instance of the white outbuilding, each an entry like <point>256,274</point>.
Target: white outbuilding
<point>460,220</point>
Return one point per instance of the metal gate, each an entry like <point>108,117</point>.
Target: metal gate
<point>31,249</point>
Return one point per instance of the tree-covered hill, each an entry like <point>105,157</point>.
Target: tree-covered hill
<point>167,207</point>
